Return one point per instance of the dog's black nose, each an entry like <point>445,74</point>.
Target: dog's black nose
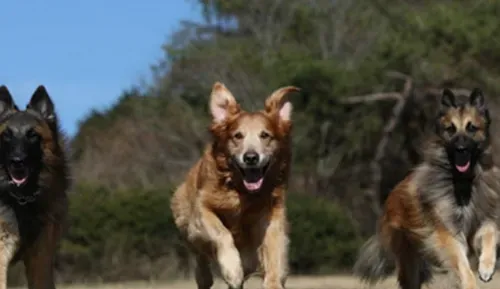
<point>17,162</point>
<point>251,158</point>
<point>460,148</point>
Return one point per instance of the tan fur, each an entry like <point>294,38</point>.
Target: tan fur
<point>241,231</point>
<point>418,234</point>
<point>409,229</point>
<point>434,217</point>
<point>9,241</point>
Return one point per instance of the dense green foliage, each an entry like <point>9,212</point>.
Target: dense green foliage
<point>131,235</point>
<point>332,50</point>
<point>132,227</point>
<point>322,237</point>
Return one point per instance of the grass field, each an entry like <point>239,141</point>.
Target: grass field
<point>295,282</point>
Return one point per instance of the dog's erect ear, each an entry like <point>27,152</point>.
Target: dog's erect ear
<point>476,99</point>
<point>222,103</point>
<point>276,102</point>
<point>6,101</point>
<point>41,103</point>
<point>448,99</point>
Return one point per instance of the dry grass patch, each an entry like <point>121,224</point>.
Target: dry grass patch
<point>295,282</point>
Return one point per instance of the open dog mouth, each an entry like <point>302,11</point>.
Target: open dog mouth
<point>462,161</point>
<point>253,178</point>
<point>18,174</point>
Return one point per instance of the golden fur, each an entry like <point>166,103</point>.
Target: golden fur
<point>241,230</point>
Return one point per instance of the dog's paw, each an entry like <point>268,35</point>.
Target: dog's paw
<point>231,269</point>
<point>273,286</point>
<point>233,277</point>
<point>486,271</point>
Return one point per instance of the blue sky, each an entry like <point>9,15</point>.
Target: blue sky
<point>85,52</point>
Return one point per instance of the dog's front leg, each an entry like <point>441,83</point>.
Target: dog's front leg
<point>485,245</point>
<point>39,257</point>
<point>9,242</point>
<point>454,254</point>
<point>273,252</point>
<point>227,255</point>
<point>8,246</point>
<point>39,261</point>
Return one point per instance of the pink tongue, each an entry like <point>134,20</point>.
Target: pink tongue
<point>463,168</point>
<point>253,186</point>
<point>19,181</point>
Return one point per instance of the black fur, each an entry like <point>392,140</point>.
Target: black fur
<point>34,178</point>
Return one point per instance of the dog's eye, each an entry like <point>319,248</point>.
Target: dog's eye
<point>264,135</point>
<point>7,135</point>
<point>32,136</point>
<point>238,135</point>
<point>471,128</point>
<point>451,129</point>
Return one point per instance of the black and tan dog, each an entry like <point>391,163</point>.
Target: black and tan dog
<point>33,183</point>
<point>446,208</point>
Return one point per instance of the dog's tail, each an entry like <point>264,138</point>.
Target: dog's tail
<point>374,262</point>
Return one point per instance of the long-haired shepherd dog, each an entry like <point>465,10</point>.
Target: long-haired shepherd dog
<point>446,209</point>
<point>33,183</point>
<point>231,207</point>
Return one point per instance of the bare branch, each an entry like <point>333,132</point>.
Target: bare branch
<point>439,91</point>
<point>395,95</point>
<point>397,75</point>
<point>372,97</point>
<point>375,165</point>
<point>380,151</point>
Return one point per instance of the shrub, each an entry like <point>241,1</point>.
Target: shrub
<point>117,235</point>
<point>122,233</point>
<point>323,238</point>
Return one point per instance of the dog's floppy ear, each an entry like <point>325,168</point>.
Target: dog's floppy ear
<point>222,103</point>
<point>448,99</point>
<point>276,102</point>
<point>6,101</point>
<point>41,103</point>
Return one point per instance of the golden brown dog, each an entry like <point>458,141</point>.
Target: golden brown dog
<point>231,207</point>
<point>447,207</point>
